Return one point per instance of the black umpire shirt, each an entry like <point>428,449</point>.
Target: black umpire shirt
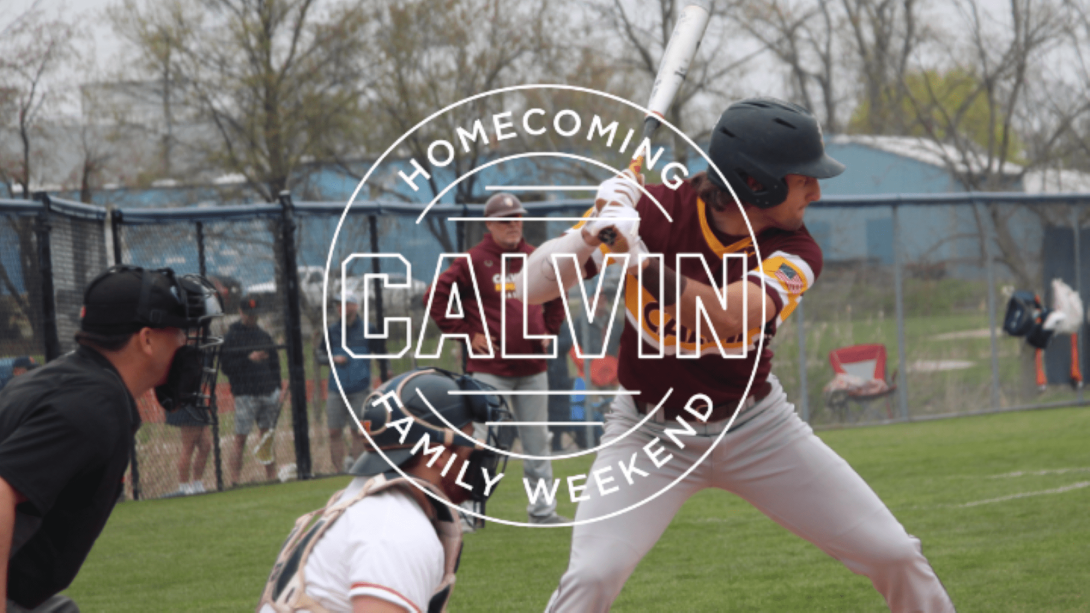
<point>65,434</point>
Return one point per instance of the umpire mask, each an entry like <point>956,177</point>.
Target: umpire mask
<point>192,377</point>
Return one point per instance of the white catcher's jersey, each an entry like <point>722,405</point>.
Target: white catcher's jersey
<point>384,545</point>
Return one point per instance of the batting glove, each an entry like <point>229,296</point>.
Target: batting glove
<point>617,226</point>
<point>623,189</point>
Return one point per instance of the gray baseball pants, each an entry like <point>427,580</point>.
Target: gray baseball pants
<point>770,458</point>
<point>528,408</point>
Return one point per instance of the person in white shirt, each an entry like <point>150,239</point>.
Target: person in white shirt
<point>390,541</point>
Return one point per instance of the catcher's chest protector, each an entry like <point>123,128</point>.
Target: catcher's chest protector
<point>285,591</point>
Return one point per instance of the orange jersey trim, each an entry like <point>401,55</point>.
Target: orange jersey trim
<point>710,238</point>
<point>385,589</point>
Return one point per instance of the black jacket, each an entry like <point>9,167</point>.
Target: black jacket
<point>249,378</point>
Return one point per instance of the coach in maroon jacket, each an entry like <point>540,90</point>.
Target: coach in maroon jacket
<point>505,236</point>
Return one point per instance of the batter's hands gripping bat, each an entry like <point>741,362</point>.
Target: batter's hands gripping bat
<point>689,29</point>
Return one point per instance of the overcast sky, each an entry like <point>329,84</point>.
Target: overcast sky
<point>98,46</point>
<point>95,44</point>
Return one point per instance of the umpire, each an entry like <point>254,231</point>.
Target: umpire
<point>66,429</point>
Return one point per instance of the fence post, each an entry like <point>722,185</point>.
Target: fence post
<point>383,363</point>
<point>217,460</point>
<point>989,270</point>
<point>804,399</point>
<point>116,220</point>
<point>45,270</point>
<point>294,332</point>
<point>898,282</point>
<point>1078,288</point>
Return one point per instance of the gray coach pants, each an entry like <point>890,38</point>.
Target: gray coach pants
<point>528,408</point>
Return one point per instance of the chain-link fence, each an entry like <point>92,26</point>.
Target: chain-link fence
<point>922,279</point>
<point>928,279</point>
<point>21,311</point>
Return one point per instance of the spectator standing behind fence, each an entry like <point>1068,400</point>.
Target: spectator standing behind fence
<point>504,236</point>
<point>252,365</point>
<point>66,430</point>
<point>13,367</point>
<point>354,375</point>
<point>196,445</point>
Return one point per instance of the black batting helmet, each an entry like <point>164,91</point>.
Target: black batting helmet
<point>767,139</point>
<point>423,408</point>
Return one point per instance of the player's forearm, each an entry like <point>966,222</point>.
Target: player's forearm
<point>537,283</point>
<point>730,321</point>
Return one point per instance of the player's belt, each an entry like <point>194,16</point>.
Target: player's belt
<point>720,413</point>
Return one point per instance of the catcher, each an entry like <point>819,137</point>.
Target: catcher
<point>390,542</point>
<point>772,155</point>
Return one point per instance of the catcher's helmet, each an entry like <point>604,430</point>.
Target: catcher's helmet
<point>422,406</point>
<point>767,139</point>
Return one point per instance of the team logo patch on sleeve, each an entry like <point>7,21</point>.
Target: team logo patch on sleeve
<point>789,278</point>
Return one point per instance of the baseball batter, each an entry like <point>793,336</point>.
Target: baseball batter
<point>772,154</point>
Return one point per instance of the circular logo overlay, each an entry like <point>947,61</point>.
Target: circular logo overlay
<point>598,378</point>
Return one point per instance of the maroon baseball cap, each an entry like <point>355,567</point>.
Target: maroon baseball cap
<point>503,204</point>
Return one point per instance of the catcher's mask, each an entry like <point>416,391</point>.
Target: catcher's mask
<point>767,139</point>
<point>417,411</point>
<point>128,298</point>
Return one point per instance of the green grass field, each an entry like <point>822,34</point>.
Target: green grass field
<point>1001,503</point>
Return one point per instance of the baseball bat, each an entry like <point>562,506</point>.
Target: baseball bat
<point>684,40</point>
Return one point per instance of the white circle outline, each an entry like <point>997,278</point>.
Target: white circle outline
<point>711,165</point>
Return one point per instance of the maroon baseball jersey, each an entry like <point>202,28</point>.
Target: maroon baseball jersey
<point>496,293</point>
<point>691,363</point>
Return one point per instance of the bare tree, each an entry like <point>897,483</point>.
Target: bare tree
<point>428,59</point>
<point>31,48</point>
<point>830,47</point>
<point>885,35</point>
<point>633,36</point>
<point>276,79</point>
<point>1012,97</point>
<point>804,38</point>
<point>1074,144</point>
